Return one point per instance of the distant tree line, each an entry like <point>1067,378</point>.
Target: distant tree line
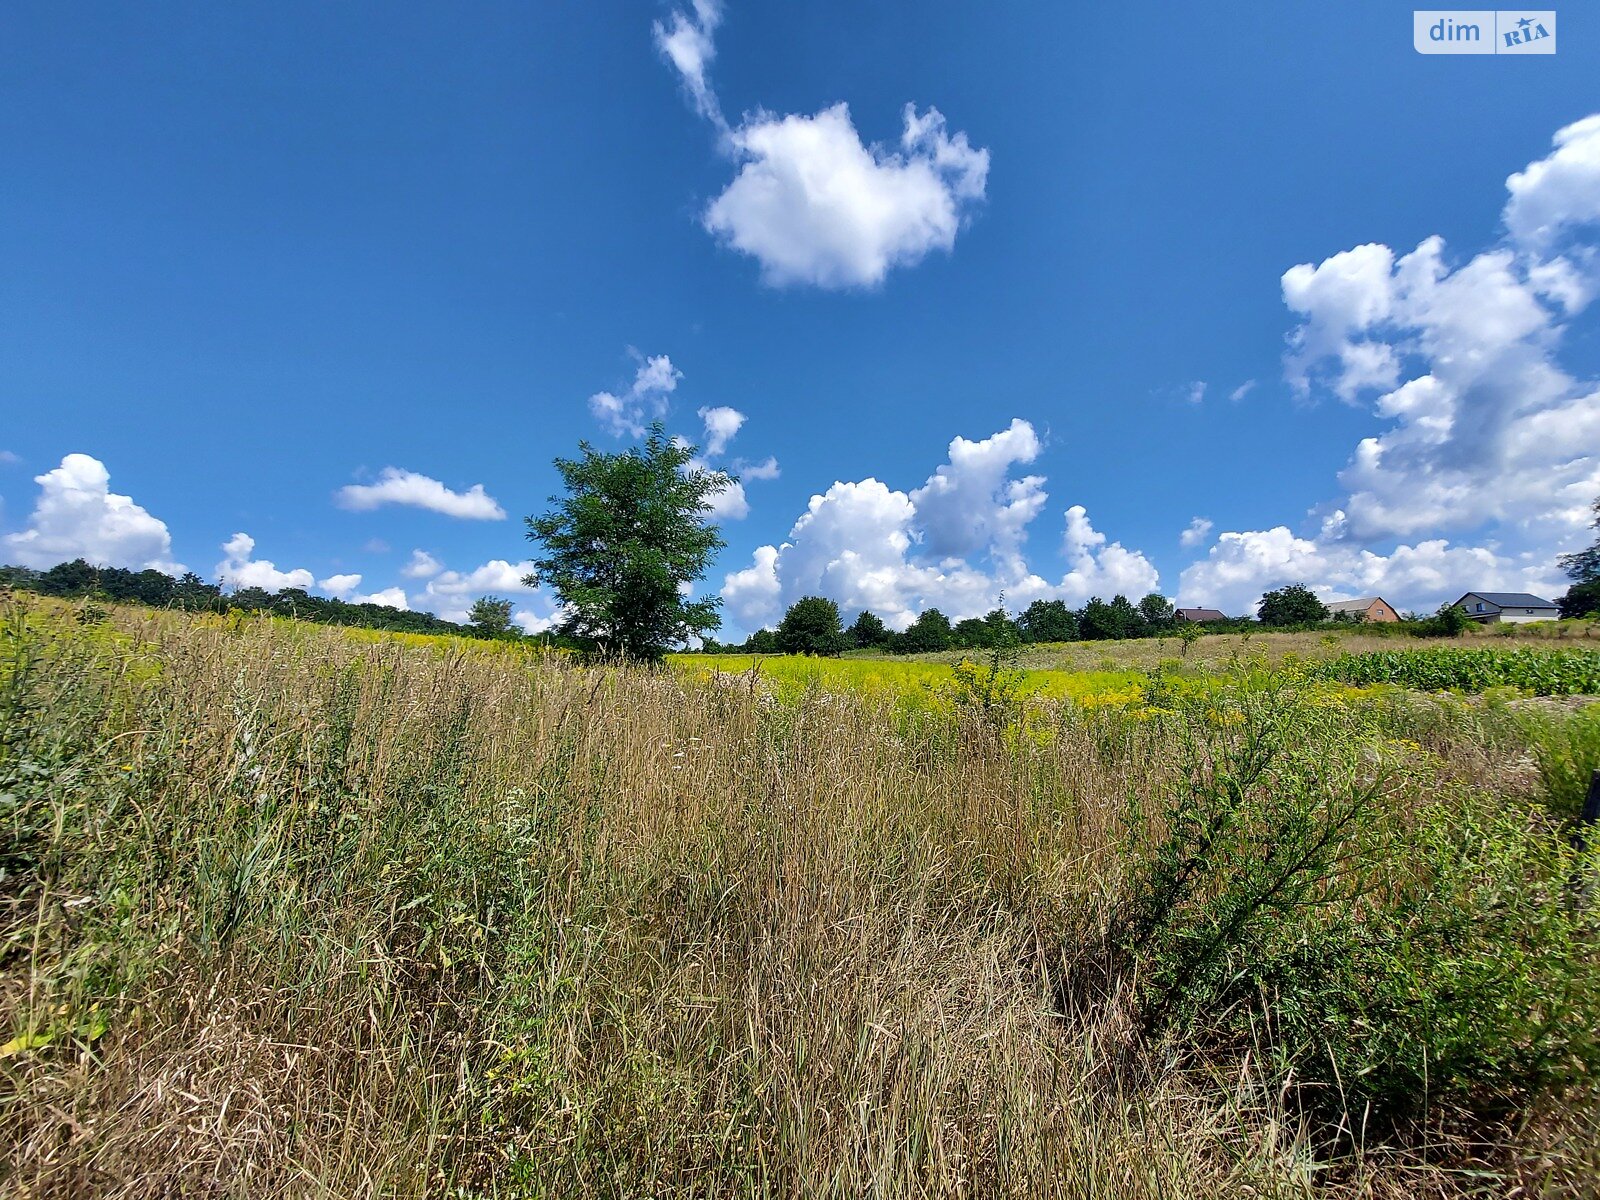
<point>813,625</point>
<point>490,617</point>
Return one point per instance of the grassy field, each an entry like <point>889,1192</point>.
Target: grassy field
<point>303,911</point>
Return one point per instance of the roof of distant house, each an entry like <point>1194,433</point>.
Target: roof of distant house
<point>1201,614</point>
<point>1512,599</point>
<point>1360,605</point>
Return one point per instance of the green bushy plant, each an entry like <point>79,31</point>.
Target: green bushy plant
<point>1388,961</point>
<point>1566,747</point>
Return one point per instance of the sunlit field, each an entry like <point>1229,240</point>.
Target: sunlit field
<point>304,910</point>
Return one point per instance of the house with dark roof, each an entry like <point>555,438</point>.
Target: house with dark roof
<point>1368,608</point>
<point>1493,608</point>
<point>1200,615</point>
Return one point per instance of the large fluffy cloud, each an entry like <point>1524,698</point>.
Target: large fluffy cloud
<point>814,204</point>
<point>954,543</point>
<point>1559,191</point>
<point>240,568</point>
<point>77,515</point>
<point>811,201</point>
<point>971,503</point>
<point>1241,565</point>
<point>1098,568</point>
<point>397,486</point>
<point>1486,436</point>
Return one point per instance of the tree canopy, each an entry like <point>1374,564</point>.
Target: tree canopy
<point>1583,566</point>
<point>1294,604</point>
<point>1049,621</point>
<point>490,615</point>
<point>811,626</point>
<point>624,543</point>
<point>868,632</point>
<point>930,631</point>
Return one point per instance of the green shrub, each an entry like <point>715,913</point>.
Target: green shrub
<point>1266,824</point>
<point>1469,983</point>
<point>1389,961</point>
<point>1566,747</point>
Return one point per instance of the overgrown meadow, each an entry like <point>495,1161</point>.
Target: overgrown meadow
<point>306,911</point>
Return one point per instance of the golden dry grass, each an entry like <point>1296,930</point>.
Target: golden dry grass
<point>303,913</point>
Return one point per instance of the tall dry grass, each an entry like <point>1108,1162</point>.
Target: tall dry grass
<point>294,912</point>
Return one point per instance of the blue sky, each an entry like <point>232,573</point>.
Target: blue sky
<point>257,254</point>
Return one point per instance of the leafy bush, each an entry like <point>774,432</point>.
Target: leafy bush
<point>1265,823</point>
<point>1541,672</point>
<point>1566,748</point>
<point>1388,963</point>
<point>1449,621</point>
<point>1467,981</point>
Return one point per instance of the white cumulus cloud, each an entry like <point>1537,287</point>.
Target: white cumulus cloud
<point>1195,532</point>
<point>767,468</point>
<point>645,401</point>
<point>1485,435</point>
<point>722,425</point>
<point>450,593</point>
<point>340,586</point>
<point>389,597</point>
<point>815,205</point>
<point>810,200</point>
<point>1559,191</point>
<point>240,569</point>
<point>77,515</point>
<point>421,565</point>
<point>955,543</point>
<point>408,488</point>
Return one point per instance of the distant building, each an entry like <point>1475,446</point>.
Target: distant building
<point>1492,608</point>
<point>1368,608</point>
<point>1199,615</point>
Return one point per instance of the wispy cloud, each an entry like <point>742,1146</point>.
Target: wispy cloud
<point>409,489</point>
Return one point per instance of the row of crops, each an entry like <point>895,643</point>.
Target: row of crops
<point>1539,672</point>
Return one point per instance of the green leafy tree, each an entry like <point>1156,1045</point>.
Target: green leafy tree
<point>490,615</point>
<point>1449,621</point>
<point>1117,618</point>
<point>929,632</point>
<point>622,545</point>
<point>19,577</point>
<point>1581,599</point>
<point>1294,604</point>
<point>868,632</point>
<point>1049,621</point>
<point>811,626</point>
<point>1125,617</point>
<point>762,641</point>
<point>969,634</point>
<point>192,592</point>
<point>75,578</point>
<point>1095,622</point>
<point>1157,612</point>
<point>1584,565</point>
<point>1001,630</point>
